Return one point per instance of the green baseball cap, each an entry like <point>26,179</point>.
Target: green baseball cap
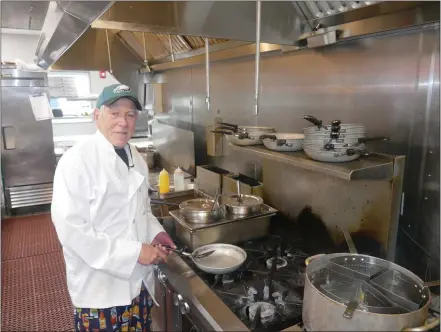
<point>114,92</point>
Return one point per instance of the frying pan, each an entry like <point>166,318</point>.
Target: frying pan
<point>216,258</point>
<point>226,258</point>
<point>283,141</point>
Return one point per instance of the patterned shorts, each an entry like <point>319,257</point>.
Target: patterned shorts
<point>131,318</point>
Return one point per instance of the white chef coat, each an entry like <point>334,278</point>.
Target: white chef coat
<point>102,215</point>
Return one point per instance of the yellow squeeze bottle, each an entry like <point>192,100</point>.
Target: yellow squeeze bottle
<point>164,182</point>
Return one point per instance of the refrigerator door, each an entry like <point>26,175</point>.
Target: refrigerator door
<point>28,156</point>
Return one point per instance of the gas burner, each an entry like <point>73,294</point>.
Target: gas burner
<point>277,294</point>
<point>227,279</point>
<point>297,281</point>
<point>281,262</point>
<point>267,311</point>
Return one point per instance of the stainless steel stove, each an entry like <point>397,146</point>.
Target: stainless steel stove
<point>270,282</point>
<point>265,294</point>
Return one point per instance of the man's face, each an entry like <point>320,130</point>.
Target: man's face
<point>117,121</point>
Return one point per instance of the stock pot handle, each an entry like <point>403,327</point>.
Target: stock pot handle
<point>425,327</point>
<point>271,137</point>
<point>314,121</point>
<point>432,283</point>
<point>223,132</point>
<point>309,259</point>
<point>236,127</point>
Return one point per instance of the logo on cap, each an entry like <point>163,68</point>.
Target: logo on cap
<point>121,88</point>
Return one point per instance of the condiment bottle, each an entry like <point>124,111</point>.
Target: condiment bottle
<point>164,182</point>
<point>178,179</point>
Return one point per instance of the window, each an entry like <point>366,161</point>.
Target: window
<point>70,92</point>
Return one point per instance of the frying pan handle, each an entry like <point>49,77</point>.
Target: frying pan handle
<point>176,250</point>
<point>309,259</point>
<point>370,139</point>
<point>162,202</point>
<point>271,137</point>
<point>350,309</point>
<point>223,132</point>
<point>430,284</point>
<point>425,327</point>
<point>313,120</point>
<point>352,151</point>
<point>243,136</point>
<point>282,142</point>
<point>236,127</point>
<point>226,128</point>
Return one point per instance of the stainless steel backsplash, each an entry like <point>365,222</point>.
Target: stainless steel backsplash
<point>389,82</point>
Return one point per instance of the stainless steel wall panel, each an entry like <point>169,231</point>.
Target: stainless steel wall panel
<point>178,95</point>
<point>200,114</point>
<point>286,98</point>
<point>175,146</point>
<point>201,117</point>
<point>382,81</point>
<point>421,211</point>
<point>232,90</point>
<point>369,81</point>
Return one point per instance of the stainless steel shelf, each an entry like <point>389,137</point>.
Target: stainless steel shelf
<point>374,167</point>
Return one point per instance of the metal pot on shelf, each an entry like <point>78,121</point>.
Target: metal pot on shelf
<point>243,135</point>
<point>353,292</point>
<point>197,211</point>
<point>148,154</point>
<point>335,142</point>
<point>242,205</point>
<point>285,142</point>
<point>247,204</point>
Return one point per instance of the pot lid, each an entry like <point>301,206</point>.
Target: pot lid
<point>247,200</point>
<point>197,204</point>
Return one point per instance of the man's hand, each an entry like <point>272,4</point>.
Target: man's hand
<point>164,239</point>
<point>151,254</point>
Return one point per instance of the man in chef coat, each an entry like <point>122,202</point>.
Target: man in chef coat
<point>102,215</point>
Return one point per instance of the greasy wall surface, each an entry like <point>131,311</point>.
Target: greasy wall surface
<point>389,82</point>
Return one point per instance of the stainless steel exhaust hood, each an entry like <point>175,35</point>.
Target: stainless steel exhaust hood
<point>126,35</point>
<point>65,22</point>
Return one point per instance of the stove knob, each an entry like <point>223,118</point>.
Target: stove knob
<point>185,308</point>
<point>177,299</point>
<point>161,277</point>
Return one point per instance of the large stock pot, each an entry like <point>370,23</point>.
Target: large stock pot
<point>352,292</point>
